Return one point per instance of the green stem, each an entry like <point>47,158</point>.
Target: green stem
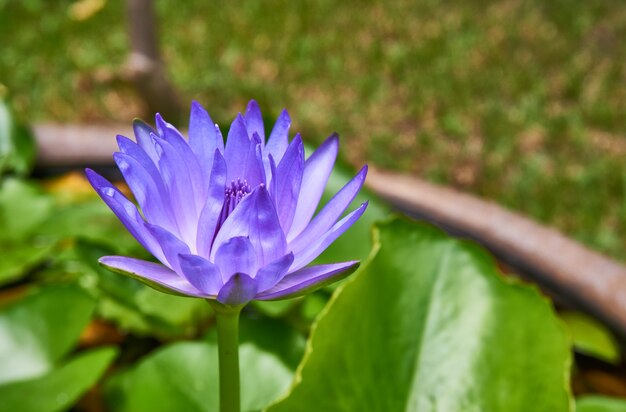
<point>227,318</point>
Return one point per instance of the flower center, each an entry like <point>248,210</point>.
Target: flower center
<point>233,194</point>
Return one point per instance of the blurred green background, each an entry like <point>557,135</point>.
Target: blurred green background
<point>522,102</point>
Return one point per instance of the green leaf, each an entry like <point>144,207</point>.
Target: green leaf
<point>591,337</point>
<point>600,404</point>
<point>184,376</point>
<point>40,329</point>
<point>274,309</point>
<point>136,307</point>
<point>93,221</point>
<point>428,324</point>
<point>58,389</point>
<point>20,257</point>
<point>23,207</point>
<point>17,145</point>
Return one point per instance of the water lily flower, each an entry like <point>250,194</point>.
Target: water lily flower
<point>229,222</point>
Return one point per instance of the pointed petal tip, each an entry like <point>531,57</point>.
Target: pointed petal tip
<point>121,139</point>
<point>309,279</point>
<point>252,105</point>
<point>298,139</point>
<point>362,175</point>
<point>331,143</point>
<point>285,114</point>
<point>95,179</point>
<point>89,172</point>
<point>137,122</point>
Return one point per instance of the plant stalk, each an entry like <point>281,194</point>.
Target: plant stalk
<point>227,318</point>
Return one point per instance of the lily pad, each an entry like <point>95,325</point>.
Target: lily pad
<point>428,324</point>
<point>58,389</point>
<point>184,376</point>
<point>23,207</point>
<point>38,332</point>
<point>40,329</point>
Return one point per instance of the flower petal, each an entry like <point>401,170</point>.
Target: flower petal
<point>126,212</point>
<point>181,194</point>
<point>237,255</point>
<point>184,153</point>
<point>142,134</point>
<point>255,217</point>
<point>271,274</point>
<point>308,280</point>
<point>272,176</point>
<point>305,256</point>
<point>154,275</point>
<point>171,246</point>
<point>317,170</point>
<point>149,192</point>
<point>330,213</point>
<point>209,217</point>
<point>238,290</point>
<point>279,138</point>
<point>254,120</point>
<point>132,149</point>
<point>202,274</point>
<point>286,182</point>
<point>203,138</point>
<point>237,148</point>
<point>252,170</point>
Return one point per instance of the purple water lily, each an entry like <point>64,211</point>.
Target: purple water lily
<point>232,223</point>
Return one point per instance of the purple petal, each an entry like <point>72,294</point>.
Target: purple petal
<point>237,255</point>
<point>187,157</point>
<point>209,217</point>
<point>271,274</point>
<point>254,120</point>
<point>252,170</point>
<point>142,134</point>
<point>307,280</point>
<point>286,182</point>
<point>181,194</point>
<point>255,217</point>
<point>272,175</point>
<point>237,149</point>
<point>153,274</point>
<point>330,213</point>
<point>279,138</point>
<point>238,290</point>
<point>171,246</point>
<point>305,256</point>
<point>132,149</point>
<point>126,212</point>
<point>202,274</point>
<point>149,194</point>
<point>203,138</point>
<point>317,170</point>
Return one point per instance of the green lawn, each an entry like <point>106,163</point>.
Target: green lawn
<point>523,102</point>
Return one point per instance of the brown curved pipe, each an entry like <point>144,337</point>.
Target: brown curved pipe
<point>572,272</point>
